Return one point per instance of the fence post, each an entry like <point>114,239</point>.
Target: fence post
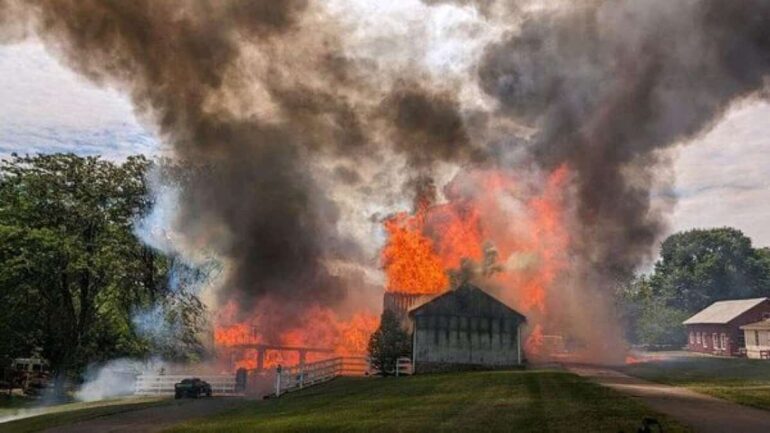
<point>278,381</point>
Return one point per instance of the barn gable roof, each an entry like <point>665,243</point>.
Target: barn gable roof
<point>467,301</point>
<point>723,312</point>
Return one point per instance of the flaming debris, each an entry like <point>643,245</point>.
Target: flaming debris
<point>509,235</point>
<point>554,145</point>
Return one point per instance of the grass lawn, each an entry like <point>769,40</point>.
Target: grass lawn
<point>11,404</point>
<point>73,412</point>
<point>520,401</point>
<point>744,381</point>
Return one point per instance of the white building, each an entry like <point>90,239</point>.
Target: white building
<point>757,337</point>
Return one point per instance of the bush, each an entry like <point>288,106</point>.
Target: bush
<point>388,343</point>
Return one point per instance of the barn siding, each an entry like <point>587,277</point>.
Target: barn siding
<point>465,329</point>
<point>463,341</point>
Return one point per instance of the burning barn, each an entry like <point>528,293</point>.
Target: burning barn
<point>465,329</point>
<point>401,303</point>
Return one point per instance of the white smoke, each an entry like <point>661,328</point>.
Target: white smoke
<point>117,378</point>
<point>155,228</point>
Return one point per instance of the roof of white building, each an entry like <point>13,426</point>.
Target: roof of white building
<point>758,326</point>
<point>723,311</point>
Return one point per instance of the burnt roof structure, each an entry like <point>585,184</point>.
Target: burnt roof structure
<point>467,301</point>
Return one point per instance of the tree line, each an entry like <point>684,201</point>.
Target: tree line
<point>696,268</point>
<point>73,274</point>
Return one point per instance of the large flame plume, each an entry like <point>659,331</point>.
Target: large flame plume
<point>319,328</point>
<point>494,228</point>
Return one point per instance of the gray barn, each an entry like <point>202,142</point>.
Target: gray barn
<point>465,329</point>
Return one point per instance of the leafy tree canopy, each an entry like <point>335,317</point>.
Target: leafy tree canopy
<point>696,268</point>
<point>388,343</point>
<point>699,267</point>
<point>72,272</point>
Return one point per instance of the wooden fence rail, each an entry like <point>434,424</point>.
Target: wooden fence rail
<point>163,384</point>
<point>289,379</point>
<point>296,377</point>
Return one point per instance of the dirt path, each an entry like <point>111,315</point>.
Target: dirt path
<point>701,412</point>
<point>153,419</point>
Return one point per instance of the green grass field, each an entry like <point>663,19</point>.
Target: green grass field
<point>744,381</point>
<point>11,404</point>
<point>72,412</point>
<point>520,401</point>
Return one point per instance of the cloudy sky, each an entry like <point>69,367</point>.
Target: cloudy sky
<point>722,177</point>
<point>45,107</point>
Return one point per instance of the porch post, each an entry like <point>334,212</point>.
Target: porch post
<point>260,359</point>
<point>414,346</point>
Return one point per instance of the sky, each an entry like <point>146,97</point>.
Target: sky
<point>722,177</point>
<point>45,107</point>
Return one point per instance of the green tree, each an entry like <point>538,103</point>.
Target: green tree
<point>72,272</point>
<point>388,343</point>
<point>654,321</point>
<point>696,268</point>
<point>699,267</point>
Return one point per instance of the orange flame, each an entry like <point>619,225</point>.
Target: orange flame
<point>534,342</point>
<point>524,224</point>
<point>319,328</point>
<point>421,248</point>
<point>489,216</point>
<point>410,259</point>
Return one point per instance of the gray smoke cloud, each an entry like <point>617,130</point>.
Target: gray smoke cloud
<point>251,94</point>
<point>607,84</point>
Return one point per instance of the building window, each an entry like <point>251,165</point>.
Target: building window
<point>692,338</point>
<point>697,337</point>
<point>715,340</point>
<point>704,337</point>
<point>723,340</point>
<point>756,338</point>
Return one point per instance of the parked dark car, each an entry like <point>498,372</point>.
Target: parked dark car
<point>192,388</point>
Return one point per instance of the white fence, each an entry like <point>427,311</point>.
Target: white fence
<point>404,366</point>
<point>289,379</point>
<point>163,384</point>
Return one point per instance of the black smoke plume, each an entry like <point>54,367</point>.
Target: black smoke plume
<point>608,84</point>
<point>250,195</point>
<point>252,93</point>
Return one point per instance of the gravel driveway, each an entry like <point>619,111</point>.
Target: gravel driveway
<point>701,412</point>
